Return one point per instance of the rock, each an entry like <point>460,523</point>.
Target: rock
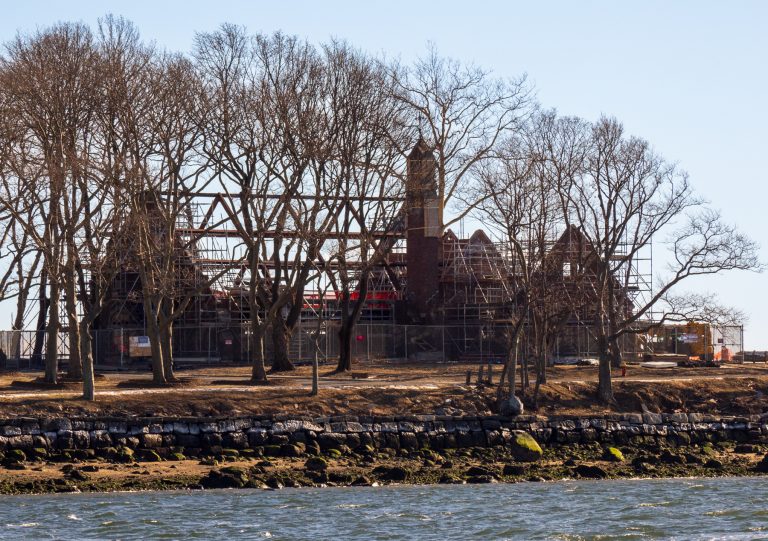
<point>511,407</point>
<point>611,454</point>
<point>289,450</point>
<point>229,477</point>
<point>123,454</point>
<point>762,466</point>
<point>274,483</point>
<point>690,458</point>
<point>448,479</point>
<point>713,464</point>
<point>514,469</point>
<point>40,452</point>
<point>523,447</point>
<point>77,475</point>
<point>15,456</point>
<point>667,457</point>
<point>176,456</point>
<point>390,473</point>
<point>362,481</point>
<point>475,471</point>
<point>334,453</point>
<point>590,472</point>
<point>90,468</point>
<point>341,478</point>
<point>478,479</point>
<point>148,455</point>
<point>744,449</point>
<point>316,463</point>
<point>272,450</point>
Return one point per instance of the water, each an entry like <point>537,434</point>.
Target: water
<point>640,509</point>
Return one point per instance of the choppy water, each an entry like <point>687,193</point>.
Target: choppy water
<point>640,509</point>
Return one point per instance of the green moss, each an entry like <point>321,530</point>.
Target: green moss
<point>611,454</point>
<point>177,456</point>
<point>15,455</point>
<point>334,453</point>
<point>524,447</point>
<point>316,463</point>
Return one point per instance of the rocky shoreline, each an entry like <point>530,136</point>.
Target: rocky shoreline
<point>149,453</point>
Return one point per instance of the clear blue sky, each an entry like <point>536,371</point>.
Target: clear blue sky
<point>690,76</point>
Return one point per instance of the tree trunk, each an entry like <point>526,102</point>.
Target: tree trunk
<point>281,337</point>
<point>258,371</point>
<point>52,336</point>
<point>166,344</point>
<point>315,367</point>
<point>158,367</point>
<point>616,358</point>
<point>86,354</point>
<point>75,366</point>
<point>604,385</point>
<point>512,362</point>
<point>345,348</point>
<point>37,350</point>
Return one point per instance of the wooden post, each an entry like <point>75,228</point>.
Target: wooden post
<point>480,375</point>
<point>469,377</point>
<point>490,374</point>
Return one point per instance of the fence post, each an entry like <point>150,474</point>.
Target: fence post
<point>405,335</point>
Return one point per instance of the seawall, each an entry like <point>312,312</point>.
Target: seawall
<point>270,434</point>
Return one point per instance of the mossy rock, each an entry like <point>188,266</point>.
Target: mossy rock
<point>147,455</point>
<point>209,461</point>
<point>708,450</point>
<point>125,454</point>
<point>230,452</point>
<point>292,450</point>
<point>611,454</point>
<point>271,450</point>
<point>40,452</point>
<point>15,455</point>
<point>316,463</point>
<point>524,448</point>
<point>333,453</point>
<point>391,473</point>
<point>229,477</point>
<point>177,456</point>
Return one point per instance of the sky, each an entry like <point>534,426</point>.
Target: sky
<point>688,76</point>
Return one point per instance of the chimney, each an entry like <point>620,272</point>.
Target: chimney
<point>424,234</point>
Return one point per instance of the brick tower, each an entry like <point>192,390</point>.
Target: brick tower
<point>424,232</point>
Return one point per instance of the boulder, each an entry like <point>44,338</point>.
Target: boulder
<point>523,447</point>
<point>316,463</point>
<point>390,473</point>
<point>228,477</point>
<point>590,472</point>
<point>511,407</point>
<point>611,454</point>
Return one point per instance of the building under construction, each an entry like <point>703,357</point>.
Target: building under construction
<point>434,295</point>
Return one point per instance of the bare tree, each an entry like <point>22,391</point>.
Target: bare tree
<point>48,80</point>
<point>369,150</point>
<point>464,113</point>
<point>626,196</point>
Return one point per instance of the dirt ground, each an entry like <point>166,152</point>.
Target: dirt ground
<point>387,388</point>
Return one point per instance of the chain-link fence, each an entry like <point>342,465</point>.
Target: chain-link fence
<point>211,345</point>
